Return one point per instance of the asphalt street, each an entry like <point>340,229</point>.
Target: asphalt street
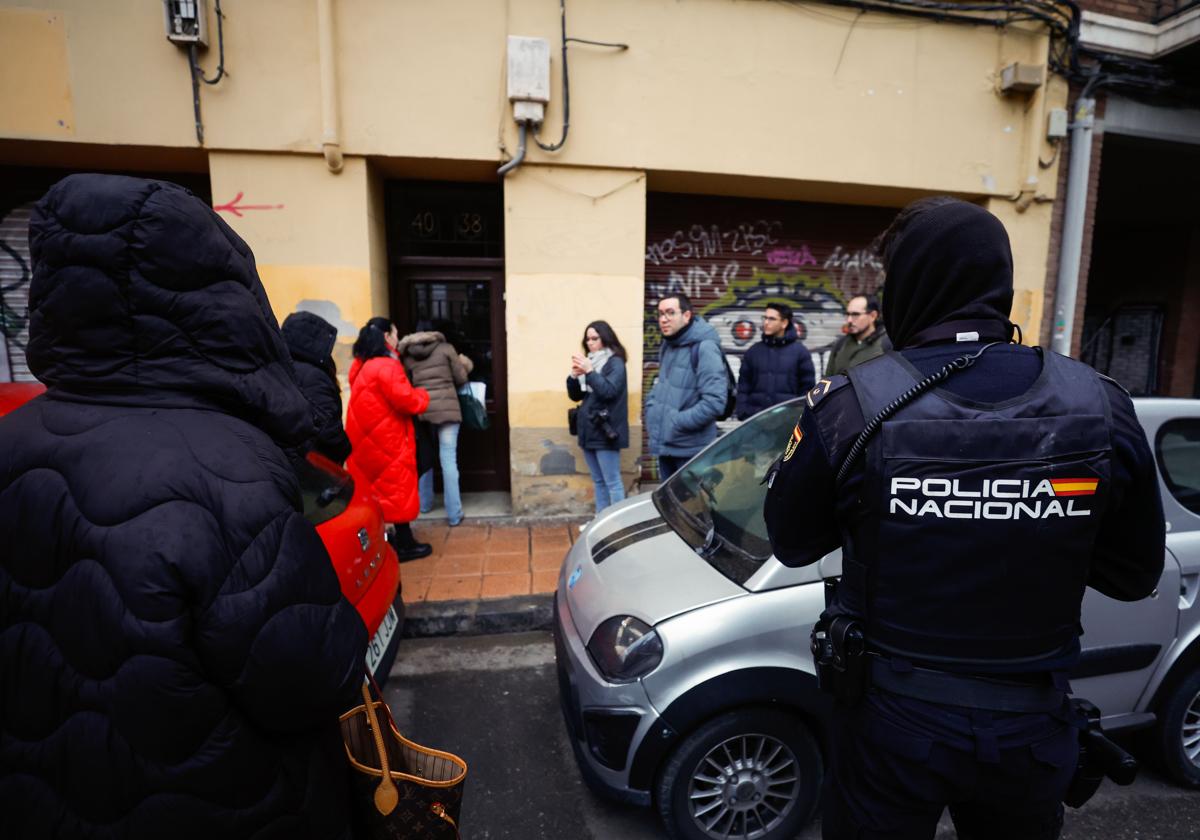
<point>494,701</point>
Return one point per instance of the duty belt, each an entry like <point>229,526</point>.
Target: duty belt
<point>958,690</point>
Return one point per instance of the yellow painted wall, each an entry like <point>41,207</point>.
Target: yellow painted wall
<point>310,231</point>
<point>35,79</point>
<point>574,252</point>
<point>803,101</point>
<point>797,91</point>
<point>1029,234</point>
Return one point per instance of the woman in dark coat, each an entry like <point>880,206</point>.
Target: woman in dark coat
<point>598,378</point>
<point>310,339</point>
<point>380,425</point>
<point>174,645</point>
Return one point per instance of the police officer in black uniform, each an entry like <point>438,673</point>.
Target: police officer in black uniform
<point>971,517</point>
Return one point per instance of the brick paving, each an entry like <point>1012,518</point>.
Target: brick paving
<point>485,561</point>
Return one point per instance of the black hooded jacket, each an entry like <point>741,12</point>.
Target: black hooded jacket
<point>310,339</point>
<point>174,646</point>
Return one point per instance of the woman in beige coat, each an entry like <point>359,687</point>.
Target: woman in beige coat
<point>433,364</point>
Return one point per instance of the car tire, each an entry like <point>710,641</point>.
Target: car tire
<point>750,773</point>
<point>1179,734</point>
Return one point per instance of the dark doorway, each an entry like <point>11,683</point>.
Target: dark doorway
<point>447,274</point>
<point>467,306</point>
<point>1142,289</point>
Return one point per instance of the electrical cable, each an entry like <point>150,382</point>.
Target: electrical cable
<point>1063,18</point>
<point>198,74</point>
<point>961,363</point>
<point>566,84</point>
<point>220,53</point>
<point>1046,164</point>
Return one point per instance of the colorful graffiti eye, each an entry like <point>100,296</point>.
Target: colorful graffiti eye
<point>743,331</point>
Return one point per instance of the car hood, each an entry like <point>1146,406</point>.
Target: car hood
<point>630,562</point>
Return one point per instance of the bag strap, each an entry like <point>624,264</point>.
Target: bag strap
<point>387,788</point>
<point>439,811</point>
<point>386,795</point>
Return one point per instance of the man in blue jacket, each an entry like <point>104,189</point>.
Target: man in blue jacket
<point>776,369</point>
<point>689,394</point>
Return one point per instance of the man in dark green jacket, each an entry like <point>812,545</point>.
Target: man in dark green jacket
<point>865,337</point>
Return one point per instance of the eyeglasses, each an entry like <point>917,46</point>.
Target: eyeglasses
<point>667,313</point>
<point>771,318</point>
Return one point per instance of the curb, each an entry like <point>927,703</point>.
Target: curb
<point>479,618</point>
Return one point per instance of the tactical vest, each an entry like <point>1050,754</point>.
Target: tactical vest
<point>974,525</point>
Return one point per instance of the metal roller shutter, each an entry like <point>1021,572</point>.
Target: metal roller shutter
<point>14,286</point>
<point>733,256</point>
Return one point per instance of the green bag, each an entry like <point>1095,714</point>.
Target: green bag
<point>474,415</point>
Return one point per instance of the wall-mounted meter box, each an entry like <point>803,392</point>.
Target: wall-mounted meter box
<point>528,69</point>
<point>1056,124</point>
<point>185,22</point>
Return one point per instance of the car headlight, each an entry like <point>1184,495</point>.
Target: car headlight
<point>625,648</point>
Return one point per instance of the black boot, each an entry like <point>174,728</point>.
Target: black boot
<point>406,545</point>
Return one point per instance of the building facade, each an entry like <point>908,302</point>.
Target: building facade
<point>736,150</point>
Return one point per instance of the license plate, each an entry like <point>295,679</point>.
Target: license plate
<point>383,637</point>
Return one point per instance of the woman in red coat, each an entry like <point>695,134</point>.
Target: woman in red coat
<point>379,425</point>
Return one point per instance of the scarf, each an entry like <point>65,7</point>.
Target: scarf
<point>597,358</point>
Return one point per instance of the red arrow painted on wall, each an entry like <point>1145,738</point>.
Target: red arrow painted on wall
<point>236,209</point>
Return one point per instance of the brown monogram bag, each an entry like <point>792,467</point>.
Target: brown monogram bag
<point>400,790</point>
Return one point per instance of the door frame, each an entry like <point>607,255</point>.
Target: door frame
<point>406,271</point>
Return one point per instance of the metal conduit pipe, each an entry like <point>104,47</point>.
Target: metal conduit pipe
<point>331,144</point>
<point>519,158</point>
<point>1074,214</point>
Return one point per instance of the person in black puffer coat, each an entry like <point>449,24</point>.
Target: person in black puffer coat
<point>777,369</point>
<point>310,339</point>
<point>174,645</point>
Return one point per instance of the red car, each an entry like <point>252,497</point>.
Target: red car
<point>349,522</point>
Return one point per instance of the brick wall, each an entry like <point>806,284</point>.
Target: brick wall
<point>1056,228</point>
<point>1143,10</point>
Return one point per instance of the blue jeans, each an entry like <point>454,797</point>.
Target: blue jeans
<point>668,465</point>
<point>605,466</point>
<point>447,435</point>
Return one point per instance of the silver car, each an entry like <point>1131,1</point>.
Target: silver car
<point>682,644</point>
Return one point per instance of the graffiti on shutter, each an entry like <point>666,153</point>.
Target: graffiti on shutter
<point>14,292</point>
<point>732,257</point>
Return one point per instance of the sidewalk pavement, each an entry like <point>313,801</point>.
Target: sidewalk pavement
<point>484,577</point>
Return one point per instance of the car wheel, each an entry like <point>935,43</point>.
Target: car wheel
<point>751,774</point>
<point>1179,736</point>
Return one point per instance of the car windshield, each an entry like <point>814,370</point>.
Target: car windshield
<point>715,502</point>
<point>325,487</point>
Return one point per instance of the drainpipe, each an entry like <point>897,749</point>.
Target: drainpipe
<point>1074,215</point>
<point>519,158</point>
<point>331,145</point>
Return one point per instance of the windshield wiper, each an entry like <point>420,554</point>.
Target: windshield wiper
<point>331,492</point>
<point>712,542</point>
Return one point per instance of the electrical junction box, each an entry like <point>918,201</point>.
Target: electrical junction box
<point>1056,124</point>
<point>1020,78</point>
<point>185,22</point>
<point>528,77</point>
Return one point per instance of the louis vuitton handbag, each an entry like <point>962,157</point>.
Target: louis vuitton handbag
<point>400,790</point>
